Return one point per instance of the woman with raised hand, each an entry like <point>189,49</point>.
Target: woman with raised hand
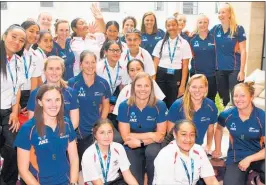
<point>204,57</point>
<point>196,107</point>
<point>54,67</point>
<point>12,77</point>
<point>246,125</point>
<point>151,34</point>
<point>105,161</point>
<point>61,47</point>
<point>46,145</point>
<point>230,48</point>
<point>183,162</point>
<point>142,125</point>
<point>171,57</point>
<point>128,23</point>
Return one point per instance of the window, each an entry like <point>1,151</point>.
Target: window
<point>109,6</point>
<point>216,7</point>
<point>47,4</point>
<point>190,8</point>
<point>158,6</point>
<point>3,5</point>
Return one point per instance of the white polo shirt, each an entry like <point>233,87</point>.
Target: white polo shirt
<point>39,57</point>
<point>29,64</point>
<point>117,74</point>
<point>9,87</point>
<point>169,169</point>
<point>182,51</point>
<point>126,91</point>
<point>91,167</point>
<point>144,56</point>
<point>93,44</point>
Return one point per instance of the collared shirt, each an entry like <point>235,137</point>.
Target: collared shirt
<point>48,162</point>
<point>91,167</point>
<point>185,36</point>
<point>144,56</point>
<point>102,71</point>
<point>29,65</point>
<point>183,51</point>
<point>145,120</point>
<point>245,136</point>
<point>206,115</point>
<point>227,48</point>
<point>204,57</point>
<point>148,41</point>
<point>126,91</point>
<point>78,44</point>
<point>70,100</point>
<point>90,99</point>
<point>169,169</point>
<point>40,58</point>
<point>68,56</point>
<point>8,96</point>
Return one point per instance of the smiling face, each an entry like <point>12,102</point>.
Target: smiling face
<point>33,33</point>
<point>45,21</point>
<point>182,20</point>
<point>113,53</point>
<point>14,40</point>
<point>129,24</point>
<point>242,98</point>
<point>51,102</point>
<point>198,89</point>
<point>53,71</point>
<point>134,68</point>
<point>149,21</point>
<point>224,13</point>
<point>133,41</point>
<point>46,42</point>
<point>63,31</point>
<point>203,24</point>
<point>81,28</point>
<point>143,88</point>
<point>104,135</point>
<point>171,27</point>
<point>112,32</point>
<point>88,65</point>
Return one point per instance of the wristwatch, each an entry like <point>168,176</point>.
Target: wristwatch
<point>142,144</point>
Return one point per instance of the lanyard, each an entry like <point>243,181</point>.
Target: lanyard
<point>25,66</point>
<point>186,170</point>
<point>43,54</point>
<point>11,75</point>
<point>172,55</point>
<point>109,76</point>
<point>105,173</point>
<point>128,57</point>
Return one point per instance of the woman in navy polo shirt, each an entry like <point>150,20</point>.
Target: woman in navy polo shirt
<point>196,107</point>
<point>53,70</point>
<point>93,95</point>
<point>128,23</point>
<point>246,125</point>
<point>203,51</point>
<point>43,141</point>
<point>142,124</point>
<point>150,33</point>
<point>61,47</point>
<point>230,47</point>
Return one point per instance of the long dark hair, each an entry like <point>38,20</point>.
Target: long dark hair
<point>3,47</point>
<point>74,25</point>
<point>107,45</point>
<point>38,112</point>
<point>42,33</point>
<point>108,24</point>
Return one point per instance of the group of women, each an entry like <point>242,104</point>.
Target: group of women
<point>68,86</point>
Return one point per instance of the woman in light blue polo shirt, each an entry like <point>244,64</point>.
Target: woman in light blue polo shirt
<point>142,124</point>
<point>43,141</point>
<point>246,125</point>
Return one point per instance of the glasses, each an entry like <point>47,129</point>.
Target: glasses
<point>115,50</point>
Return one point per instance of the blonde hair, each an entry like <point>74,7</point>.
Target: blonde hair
<point>187,103</point>
<point>233,22</point>
<point>201,15</point>
<point>152,98</point>
<point>62,62</point>
<point>249,86</point>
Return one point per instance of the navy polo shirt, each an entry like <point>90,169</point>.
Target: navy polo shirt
<point>205,116</point>
<point>90,99</point>
<point>245,136</point>
<point>66,54</point>
<point>145,120</point>
<point>185,36</point>
<point>227,48</point>
<point>203,61</point>
<point>48,160</point>
<point>70,100</point>
<point>149,41</point>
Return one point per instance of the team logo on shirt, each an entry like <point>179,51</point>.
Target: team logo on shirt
<point>219,34</point>
<point>133,117</point>
<point>62,136</point>
<point>81,92</point>
<point>196,44</point>
<point>251,129</point>
<point>42,140</point>
<point>210,44</point>
<point>144,39</point>
<point>204,119</point>
<point>149,118</point>
<point>98,94</point>
<point>157,37</point>
<point>233,126</point>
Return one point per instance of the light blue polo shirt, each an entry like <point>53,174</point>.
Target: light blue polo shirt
<point>245,136</point>
<point>90,99</point>
<point>49,163</point>
<point>228,56</point>
<point>205,116</point>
